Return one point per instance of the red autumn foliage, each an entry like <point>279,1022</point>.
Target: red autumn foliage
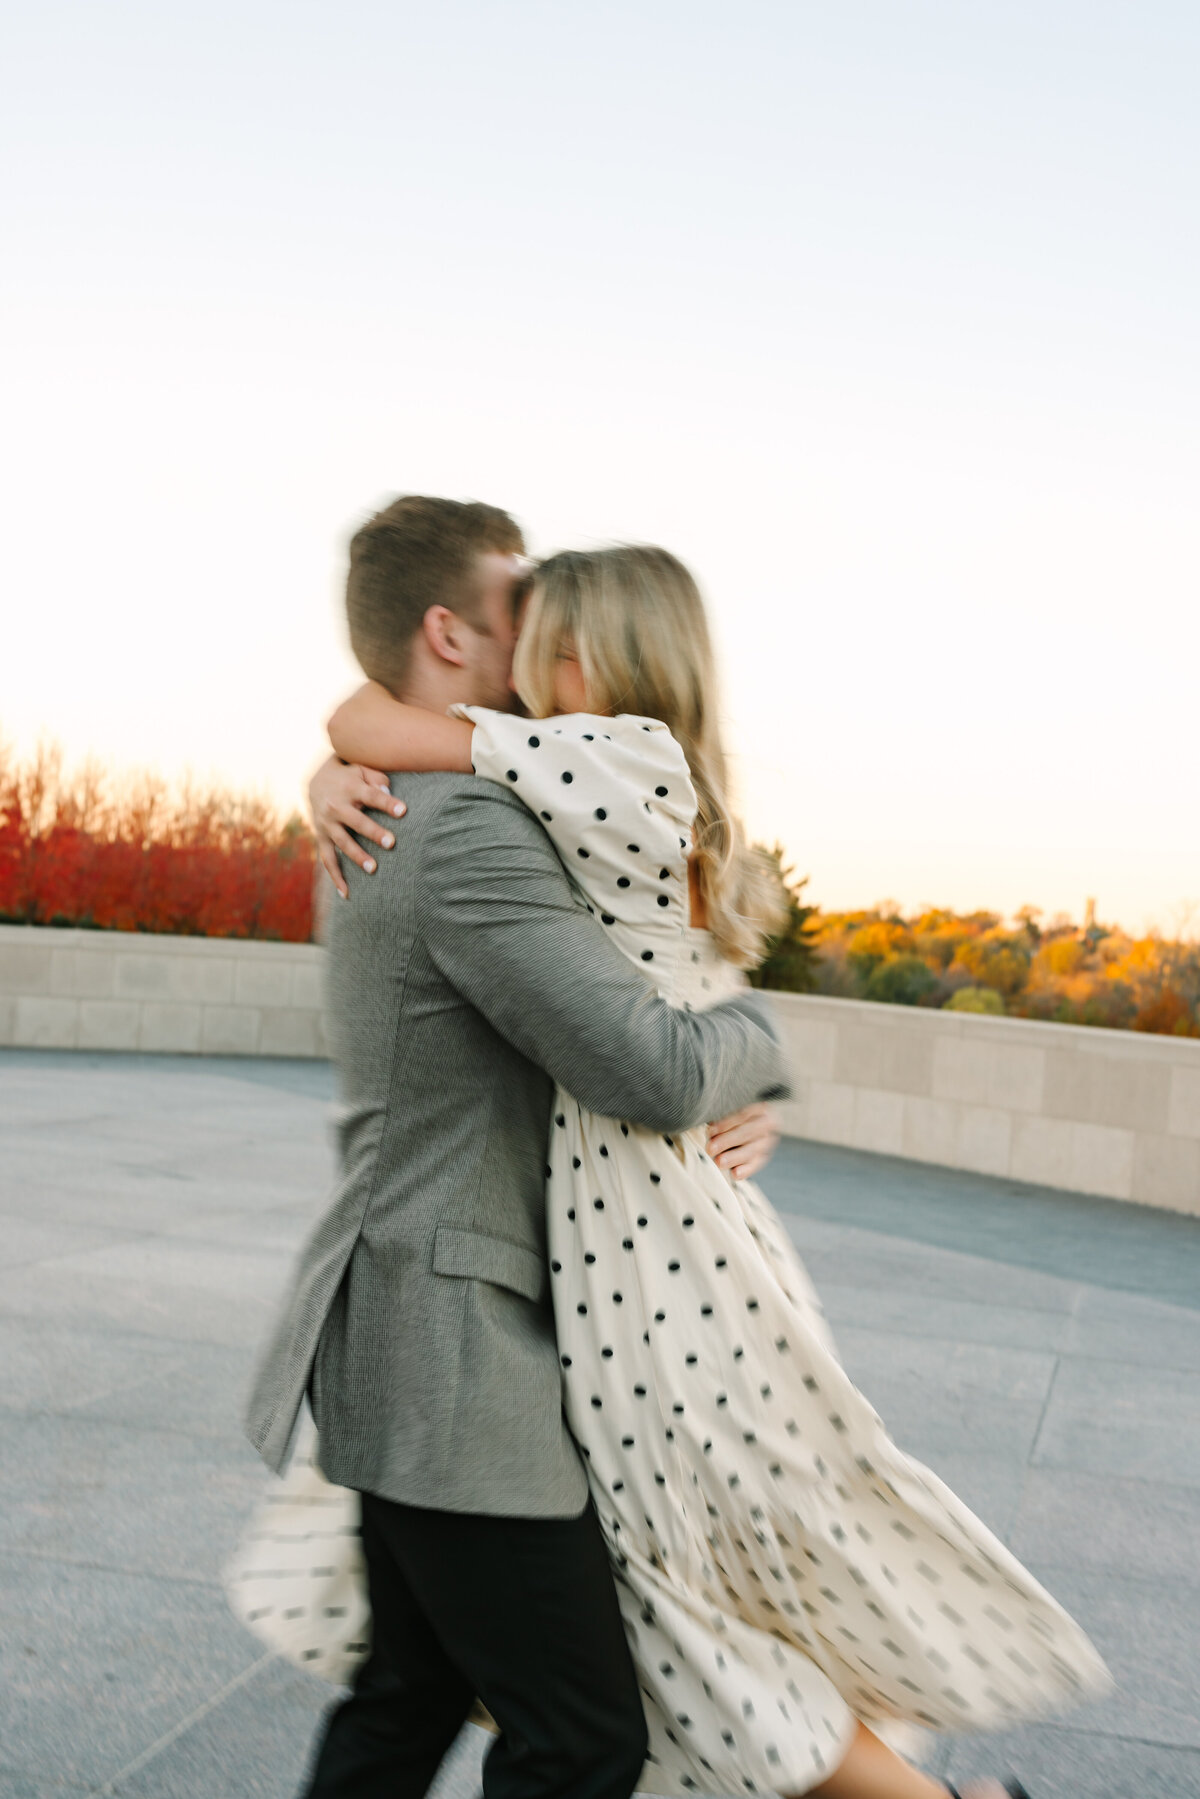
<point>134,857</point>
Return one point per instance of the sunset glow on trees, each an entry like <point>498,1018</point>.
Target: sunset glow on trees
<point>135,855</point>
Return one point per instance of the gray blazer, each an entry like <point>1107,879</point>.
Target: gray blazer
<point>464,979</point>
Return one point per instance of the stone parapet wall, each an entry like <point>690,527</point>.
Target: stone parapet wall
<point>1110,1112</point>
<point>139,991</point>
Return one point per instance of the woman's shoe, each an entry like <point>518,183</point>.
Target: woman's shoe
<point>1012,1787</point>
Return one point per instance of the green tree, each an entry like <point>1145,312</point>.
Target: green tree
<point>790,964</point>
<point>902,981</point>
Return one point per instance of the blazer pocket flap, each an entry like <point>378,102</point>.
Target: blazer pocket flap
<point>472,1256</point>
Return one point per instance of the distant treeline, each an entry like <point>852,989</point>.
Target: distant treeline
<point>137,856</point>
<point>1090,974</point>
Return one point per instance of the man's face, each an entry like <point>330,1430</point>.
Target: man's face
<point>491,642</point>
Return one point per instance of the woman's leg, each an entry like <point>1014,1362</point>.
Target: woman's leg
<point>870,1770</point>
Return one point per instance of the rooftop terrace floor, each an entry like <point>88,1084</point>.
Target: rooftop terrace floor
<point>1040,1350</point>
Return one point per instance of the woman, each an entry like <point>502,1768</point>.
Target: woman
<point>787,1576</point>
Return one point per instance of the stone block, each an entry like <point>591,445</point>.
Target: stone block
<point>25,968</point>
<point>1068,1762</point>
<point>1183,1115</point>
<point>985,1073</point>
<point>984,1140</point>
<point>1118,1089</point>
<point>1041,1151</point>
<point>170,1027</point>
<point>908,1059</point>
<point>831,1112</point>
<point>207,980</point>
<point>1166,1172</point>
<point>811,1046</point>
<point>1074,1520</point>
<point>1101,1160</point>
<point>109,1023</point>
<point>859,1058</point>
<point>79,1718</point>
<point>1132,1422</point>
<point>262,980</point>
<point>286,1032</point>
<point>230,1030</point>
<point>308,985</point>
<point>930,1129</point>
<point>879,1121</point>
<point>83,973</point>
<point>142,976</point>
<point>45,1023</point>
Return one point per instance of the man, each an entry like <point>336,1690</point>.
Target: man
<point>464,980</point>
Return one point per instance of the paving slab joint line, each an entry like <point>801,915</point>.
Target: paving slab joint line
<point>1031,1458</point>
<point>181,1729</point>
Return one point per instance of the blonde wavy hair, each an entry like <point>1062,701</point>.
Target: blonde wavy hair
<point>634,618</point>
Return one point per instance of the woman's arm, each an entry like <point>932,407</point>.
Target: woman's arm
<point>371,727</point>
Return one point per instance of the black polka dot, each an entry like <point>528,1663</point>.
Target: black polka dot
<point>560,1120</point>
<point>688,1222</point>
<point>623,881</point>
<point>568,777</point>
<point>547,817</point>
<point>556,1267</point>
<point>597,1401</point>
<point>512,774</point>
<point>566,1361</point>
<point>535,743</point>
<point>600,812</point>
<point>661,792</point>
<point>617,1298</point>
<point>627,1243</point>
<point>635,849</point>
<point>656,1178</point>
<point>606,1352</point>
<point>673,1267</point>
<point>647,955</point>
<point>603,1149</point>
<point>581,1309</point>
<point>582,852</point>
<point>575,1162</point>
<point>607,918</point>
<point>643,1222</point>
<point>598,1204</point>
<point>663,873</point>
<point>664,899</point>
<point>589,1258</point>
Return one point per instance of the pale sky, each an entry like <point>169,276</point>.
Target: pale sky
<point>882,315</point>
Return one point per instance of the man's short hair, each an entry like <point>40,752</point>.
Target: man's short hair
<point>417,553</point>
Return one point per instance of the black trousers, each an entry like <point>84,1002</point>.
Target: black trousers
<point>520,1611</point>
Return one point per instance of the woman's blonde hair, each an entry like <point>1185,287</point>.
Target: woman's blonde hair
<point>634,618</point>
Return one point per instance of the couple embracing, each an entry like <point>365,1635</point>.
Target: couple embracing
<point>614,1482</point>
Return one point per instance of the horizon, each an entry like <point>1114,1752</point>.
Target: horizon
<point>885,324</point>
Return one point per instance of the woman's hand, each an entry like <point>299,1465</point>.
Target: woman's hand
<point>744,1143</point>
<point>338,794</point>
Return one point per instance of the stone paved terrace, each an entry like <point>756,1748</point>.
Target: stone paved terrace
<point>1041,1350</point>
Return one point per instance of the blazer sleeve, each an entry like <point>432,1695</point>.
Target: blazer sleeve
<point>502,924</point>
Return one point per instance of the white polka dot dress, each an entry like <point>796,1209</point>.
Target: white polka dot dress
<point>783,1569</point>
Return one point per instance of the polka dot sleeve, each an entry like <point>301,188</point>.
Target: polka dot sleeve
<point>615,797</point>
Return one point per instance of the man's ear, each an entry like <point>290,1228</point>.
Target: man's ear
<point>444,631</point>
